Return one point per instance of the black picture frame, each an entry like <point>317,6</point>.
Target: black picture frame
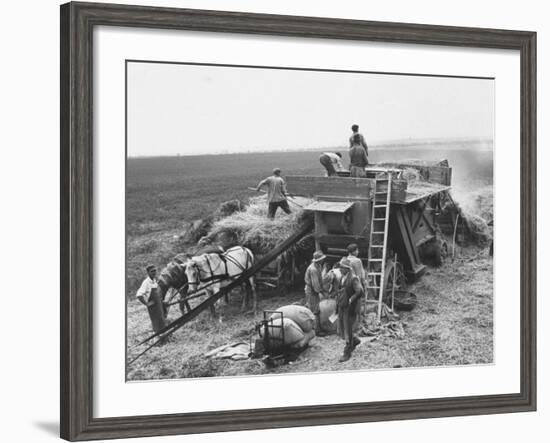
<point>77,23</point>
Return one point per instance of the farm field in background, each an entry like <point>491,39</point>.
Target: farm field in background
<point>166,194</point>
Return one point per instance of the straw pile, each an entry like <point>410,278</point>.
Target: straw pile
<point>476,211</point>
<point>200,228</point>
<point>252,229</point>
<point>411,174</point>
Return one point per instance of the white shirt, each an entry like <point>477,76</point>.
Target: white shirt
<point>145,288</point>
<point>336,161</point>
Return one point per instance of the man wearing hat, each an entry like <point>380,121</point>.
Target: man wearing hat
<point>276,193</point>
<point>148,294</point>
<point>357,264</point>
<point>347,306</point>
<point>315,288</point>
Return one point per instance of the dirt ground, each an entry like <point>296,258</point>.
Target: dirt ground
<point>452,324</point>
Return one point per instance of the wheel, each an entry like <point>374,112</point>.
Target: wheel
<point>285,277</point>
<point>391,269</point>
<point>431,252</point>
<point>444,250</point>
<point>437,261</point>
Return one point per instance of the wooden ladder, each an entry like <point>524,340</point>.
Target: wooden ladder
<point>378,240</point>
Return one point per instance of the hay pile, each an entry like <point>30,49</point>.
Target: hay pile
<point>200,228</point>
<point>475,207</point>
<point>252,229</point>
<point>411,174</point>
<point>419,162</point>
<point>477,227</point>
<point>422,187</point>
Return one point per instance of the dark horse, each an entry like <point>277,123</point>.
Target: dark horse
<point>172,282</point>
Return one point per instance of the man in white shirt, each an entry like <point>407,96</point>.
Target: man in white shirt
<point>332,162</point>
<point>149,296</point>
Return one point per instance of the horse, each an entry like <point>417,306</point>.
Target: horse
<point>213,271</point>
<point>173,278</point>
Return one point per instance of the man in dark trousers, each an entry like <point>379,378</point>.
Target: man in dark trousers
<point>347,305</point>
<point>355,130</point>
<point>357,157</point>
<point>276,193</point>
<point>332,162</point>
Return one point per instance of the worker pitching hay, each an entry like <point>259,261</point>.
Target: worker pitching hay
<point>254,230</point>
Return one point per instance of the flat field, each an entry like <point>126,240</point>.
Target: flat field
<point>166,194</point>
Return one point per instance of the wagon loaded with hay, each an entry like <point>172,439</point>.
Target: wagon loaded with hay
<point>250,227</point>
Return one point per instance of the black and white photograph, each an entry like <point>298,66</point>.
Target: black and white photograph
<point>285,220</point>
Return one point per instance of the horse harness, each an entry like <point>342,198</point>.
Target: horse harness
<point>224,258</point>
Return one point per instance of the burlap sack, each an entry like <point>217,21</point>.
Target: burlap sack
<point>292,332</point>
<point>327,308</point>
<point>301,315</point>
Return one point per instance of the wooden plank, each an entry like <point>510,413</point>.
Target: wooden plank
<point>341,241</point>
<point>352,188</point>
<point>429,173</point>
<point>329,206</point>
<point>333,186</point>
<point>405,240</point>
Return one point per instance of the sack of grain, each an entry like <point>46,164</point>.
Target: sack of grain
<point>293,334</point>
<point>308,336</point>
<point>327,308</point>
<point>301,315</point>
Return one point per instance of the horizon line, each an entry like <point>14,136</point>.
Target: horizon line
<point>377,145</point>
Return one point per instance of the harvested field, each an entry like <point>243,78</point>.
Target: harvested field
<point>166,197</point>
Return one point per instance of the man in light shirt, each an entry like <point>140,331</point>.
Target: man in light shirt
<point>149,296</point>
<point>276,193</point>
<point>315,287</point>
<point>332,162</point>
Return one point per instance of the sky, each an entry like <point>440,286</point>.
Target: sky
<point>177,109</point>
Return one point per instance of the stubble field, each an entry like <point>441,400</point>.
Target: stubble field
<point>164,195</point>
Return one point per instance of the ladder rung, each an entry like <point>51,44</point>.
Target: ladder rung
<point>371,301</point>
<point>378,232</point>
<point>374,273</point>
<point>380,206</point>
<point>381,192</point>
<point>378,218</point>
<point>375,259</point>
<point>376,246</point>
